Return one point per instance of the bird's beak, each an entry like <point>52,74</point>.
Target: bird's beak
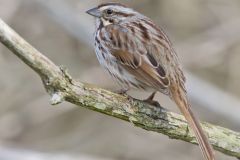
<point>94,12</point>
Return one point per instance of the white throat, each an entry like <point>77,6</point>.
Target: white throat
<point>105,22</point>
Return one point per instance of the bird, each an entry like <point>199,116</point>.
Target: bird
<point>138,54</point>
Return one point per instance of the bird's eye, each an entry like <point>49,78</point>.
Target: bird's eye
<point>109,11</point>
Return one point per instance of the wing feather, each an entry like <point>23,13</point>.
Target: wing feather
<point>140,62</point>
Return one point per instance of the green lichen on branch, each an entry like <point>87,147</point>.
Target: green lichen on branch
<point>153,118</point>
<point>61,86</point>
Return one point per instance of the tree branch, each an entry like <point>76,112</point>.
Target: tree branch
<point>61,86</point>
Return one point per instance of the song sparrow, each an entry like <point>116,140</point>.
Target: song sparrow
<point>138,54</point>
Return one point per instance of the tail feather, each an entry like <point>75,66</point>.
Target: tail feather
<point>182,102</point>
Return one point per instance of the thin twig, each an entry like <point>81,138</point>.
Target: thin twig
<point>61,86</point>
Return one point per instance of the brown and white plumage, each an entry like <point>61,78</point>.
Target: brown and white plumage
<point>138,54</point>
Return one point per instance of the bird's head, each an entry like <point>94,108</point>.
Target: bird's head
<point>111,13</point>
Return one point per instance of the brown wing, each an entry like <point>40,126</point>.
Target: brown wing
<point>145,72</point>
<point>138,59</point>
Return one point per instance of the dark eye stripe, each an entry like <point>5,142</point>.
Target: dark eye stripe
<point>111,21</point>
<point>124,14</point>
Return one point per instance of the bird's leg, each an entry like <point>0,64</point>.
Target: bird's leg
<point>123,92</point>
<point>150,100</point>
<point>187,131</point>
<point>151,97</point>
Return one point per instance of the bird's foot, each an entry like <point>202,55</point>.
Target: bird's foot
<point>122,91</point>
<point>152,103</point>
<point>150,100</point>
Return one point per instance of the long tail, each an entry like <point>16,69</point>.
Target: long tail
<point>181,100</point>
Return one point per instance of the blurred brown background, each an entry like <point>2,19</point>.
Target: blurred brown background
<point>206,36</point>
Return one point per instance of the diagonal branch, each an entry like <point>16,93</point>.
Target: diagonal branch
<point>62,87</point>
